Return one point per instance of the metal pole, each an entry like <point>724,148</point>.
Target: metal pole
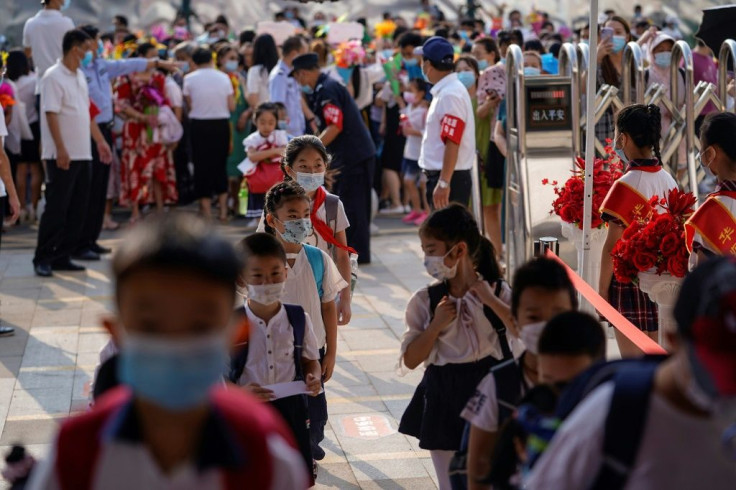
<point>681,51</point>
<point>728,51</point>
<point>569,67</point>
<point>590,138</point>
<point>633,58</point>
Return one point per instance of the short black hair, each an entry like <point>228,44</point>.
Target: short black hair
<point>121,19</point>
<point>247,36</point>
<point>260,245</point>
<point>490,46</point>
<point>202,56</point>
<point>409,39</point>
<point>72,39</point>
<point>573,333</point>
<point>90,30</point>
<point>17,64</point>
<point>719,129</point>
<point>447,64</point>
<point>541,273</point>
<point>535,45</point>
<point>292,44</point>
<point>176,241</point>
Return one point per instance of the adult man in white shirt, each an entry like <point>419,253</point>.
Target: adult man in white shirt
<point>448,145</point>
<point>685,441</point>
<point>67,128</point>
<point>43,34</point>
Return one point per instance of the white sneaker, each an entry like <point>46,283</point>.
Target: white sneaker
<point>374,229</point>
<point>393,210</point>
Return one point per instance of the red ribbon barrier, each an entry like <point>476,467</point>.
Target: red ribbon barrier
<point>616,319</point>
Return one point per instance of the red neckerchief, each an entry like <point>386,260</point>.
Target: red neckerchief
<point>323,228</point>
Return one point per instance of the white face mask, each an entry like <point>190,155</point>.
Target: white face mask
<point>310,182</point>
<point>266,294</point>
<point>530,336</point>
<point>435,265</point>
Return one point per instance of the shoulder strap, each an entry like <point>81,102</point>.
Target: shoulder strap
<point>239,355</point>
<point>625,425</point>
<point>436,292</point>
<point>499,326</point>
<point>317,262</point>
<point>298,321</point>
<point>331,206</point>
<point>508,378</point>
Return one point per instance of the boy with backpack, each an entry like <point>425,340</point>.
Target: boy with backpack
<point>171,425</point>
<point>659,422</point>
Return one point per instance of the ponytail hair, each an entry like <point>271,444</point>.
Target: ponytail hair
<point>279,195</point>
<point>643,124</point>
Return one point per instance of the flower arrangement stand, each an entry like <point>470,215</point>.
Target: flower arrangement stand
<point>592,270</point>
<point>663,290</point>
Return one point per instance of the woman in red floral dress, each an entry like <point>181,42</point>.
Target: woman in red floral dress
<point>147,168</point>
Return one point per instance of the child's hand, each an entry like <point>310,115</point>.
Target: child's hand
<point>263,394</point>
<point>445,313</point>
<point>313,384</point>
<point>344,312</point>
<point>482,290</point>
<point>328,367</point>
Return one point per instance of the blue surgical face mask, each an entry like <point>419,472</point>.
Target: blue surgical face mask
<point>387,53</point>
<point>531,71</point>
<point>621,155</point>
<point>185,67</point>
<point>585,41</point>
<point>282,124</point>
<point>231,66</point>
<point>663,60</point>
<point>87,60</point>
<point>310,182</point>
<point>66,4</point>
<point>482,65</point>
<point>174,374</point>
<point>619,42</point>
<point>307,89</point>
<point>410,62</point>
<point>296,231</point>
<point>467,78</point>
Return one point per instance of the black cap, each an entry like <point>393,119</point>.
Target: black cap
<point>307,61</point>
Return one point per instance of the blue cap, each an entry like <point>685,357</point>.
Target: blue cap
<point>437,49</point>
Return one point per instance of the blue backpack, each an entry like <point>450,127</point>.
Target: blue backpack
<point>317,263</point>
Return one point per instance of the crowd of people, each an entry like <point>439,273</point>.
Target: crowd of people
<point>516,392</point>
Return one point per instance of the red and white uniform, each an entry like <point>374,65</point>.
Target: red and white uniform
<point>450,118</point>
<point>713,226</point>
<point>628,198</point>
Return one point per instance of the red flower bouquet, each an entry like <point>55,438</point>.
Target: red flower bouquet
<point>656,242</point>
<point>570,197</point>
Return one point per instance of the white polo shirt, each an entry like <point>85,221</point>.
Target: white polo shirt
<point>450,117</point>
<point>65,93</point>
<point>44,33</point>
<point>208,89</point>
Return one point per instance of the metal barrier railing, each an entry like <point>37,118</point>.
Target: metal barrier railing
<point>570,66</point>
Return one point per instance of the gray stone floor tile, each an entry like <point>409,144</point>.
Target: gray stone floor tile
<point>346,374</point>
<point>378,363</point>
<point>400,484</point>
<point>92,342</point>
<point>37,380</point>
<point>390,469</point>
<point>336,475</point>
<point>10,366</point>
<point>376,339</point>
<point>29,431</point>
<point>40,402</point>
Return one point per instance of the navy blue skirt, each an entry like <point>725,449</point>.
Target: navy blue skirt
<point>433,415</point>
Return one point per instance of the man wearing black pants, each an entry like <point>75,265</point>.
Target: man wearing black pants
<point>66,132</point>
<point>348,141</point>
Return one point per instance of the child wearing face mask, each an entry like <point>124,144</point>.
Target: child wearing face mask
<point>414,122</point>
<point>313,282</point>
<point>637,145</point>
<point>281,346</point>
<point>305,161</point>
<point>541,291</point>
<point>262,167</point>
<point>456,328</point>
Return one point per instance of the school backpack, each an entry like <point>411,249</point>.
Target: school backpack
<point>80,439</point>
<point>317,263</point>
<point>458,464</point>
<point>625,423</point>
<point>298,321</point>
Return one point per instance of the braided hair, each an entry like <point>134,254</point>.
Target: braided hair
<point>643,123</point>
<point>279,195</point>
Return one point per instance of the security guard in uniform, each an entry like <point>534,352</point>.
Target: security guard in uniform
<point>346,137</point>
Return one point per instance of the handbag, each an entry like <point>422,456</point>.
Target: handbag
<point>265,176</point>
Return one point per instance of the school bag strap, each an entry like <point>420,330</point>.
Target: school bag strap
<point>331,206</point>
<point>625,425</point>
<point>317,263</point>
<point>509,380</point>
<point>323,229</point>
<point>439,290</point>
<point>239,354</point>
<point>298,321</point>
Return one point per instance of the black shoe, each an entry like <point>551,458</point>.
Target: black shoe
<point>67,265</point>
<point>43,269</point>
<point>4,331</point>
<point>317,452</point>
<point>86,255</point>
<point>100,250</point>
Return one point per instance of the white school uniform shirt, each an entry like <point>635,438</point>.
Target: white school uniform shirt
<point>208,89</point>
<point>271,349</point>
<point>174,94</point>
<point>677,451</point>
<point>450,116</point>
<point>417,117</point>
<point>301,289</point>
<point>65,93</point>
<point>256,82</point>
<point>257,142</point>
<point>26,85</point>
<point>314,239</point>
<point>44,33</point>
<point>469,338</point>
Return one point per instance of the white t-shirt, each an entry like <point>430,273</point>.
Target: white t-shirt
<point>66,93</point>
<point>271,349</point>
<point>209,89</point>
<point>450,117</point>
<point>417,118</point>
<point>27,93</point>
<point>257,83</point>
<point>677,451</point>
<point>3,134</point>
<point>173,93</point>
<point>341,223</point>
<point>44,34</point>
<point>482,408</point>
<point>301,289</point>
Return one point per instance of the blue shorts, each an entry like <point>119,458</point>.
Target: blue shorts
<point>410,169</point>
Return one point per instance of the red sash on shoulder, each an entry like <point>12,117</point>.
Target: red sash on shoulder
<point>625,203</point>
<point>715,223</point>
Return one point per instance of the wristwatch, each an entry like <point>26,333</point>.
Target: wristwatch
<point>443,184</point>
